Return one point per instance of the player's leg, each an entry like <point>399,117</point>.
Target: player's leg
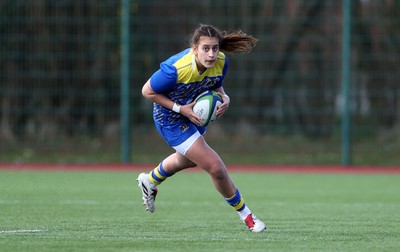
<point>177,162</point>
<point>207,159</point>
<point>148,182</point>
<point>181,142</point>
<point>168,167</point>
<point>181,138</point>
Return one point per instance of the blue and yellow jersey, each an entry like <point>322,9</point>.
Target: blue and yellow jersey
<point>179,80</point>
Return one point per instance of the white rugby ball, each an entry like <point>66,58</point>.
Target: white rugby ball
<point>206,106</point>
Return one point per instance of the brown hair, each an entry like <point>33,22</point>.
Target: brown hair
<point>234,42</point>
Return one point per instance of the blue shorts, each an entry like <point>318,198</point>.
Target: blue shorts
<point>181,136</point>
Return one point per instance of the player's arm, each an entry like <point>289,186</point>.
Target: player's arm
<point>225,101</point>
<point>151,95</point>
<point>161,99</point>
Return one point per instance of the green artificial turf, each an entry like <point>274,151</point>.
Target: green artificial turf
<point>102,211</point>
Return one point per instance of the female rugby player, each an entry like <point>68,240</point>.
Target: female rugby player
<point>173,89</point>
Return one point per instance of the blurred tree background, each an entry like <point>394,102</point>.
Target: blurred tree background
<point>60,79</point>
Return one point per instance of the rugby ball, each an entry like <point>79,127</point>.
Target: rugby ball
<point>206,106</point>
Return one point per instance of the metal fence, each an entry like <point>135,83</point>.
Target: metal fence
<point>60,72</point>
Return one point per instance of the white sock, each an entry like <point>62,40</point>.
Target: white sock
<point>244,213</point>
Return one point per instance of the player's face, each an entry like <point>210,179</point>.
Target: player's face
<point>206,52</point>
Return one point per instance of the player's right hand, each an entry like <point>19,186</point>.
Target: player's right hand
<point>187,110</point>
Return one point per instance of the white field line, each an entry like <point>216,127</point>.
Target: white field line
<point>22,231</point>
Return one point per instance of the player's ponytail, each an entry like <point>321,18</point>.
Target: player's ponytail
<point>234,42</point>
<point>237,42</point>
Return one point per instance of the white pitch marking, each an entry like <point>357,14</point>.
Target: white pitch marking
<point>22,231</point>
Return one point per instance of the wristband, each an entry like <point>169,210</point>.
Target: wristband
<point>176,108</point>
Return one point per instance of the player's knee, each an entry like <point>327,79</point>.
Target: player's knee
<point>217,170</point>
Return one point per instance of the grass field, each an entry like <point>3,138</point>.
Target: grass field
<point>102,211</point>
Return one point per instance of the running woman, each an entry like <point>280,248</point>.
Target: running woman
<point>172,89</point>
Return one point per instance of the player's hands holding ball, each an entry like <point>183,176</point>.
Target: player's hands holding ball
<point>187,110</point>
<point>206,108</point>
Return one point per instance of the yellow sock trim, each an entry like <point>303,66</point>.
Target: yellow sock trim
<point>238,206</point>
<point>152,180</point>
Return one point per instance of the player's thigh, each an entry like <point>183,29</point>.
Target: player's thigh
<point>204,156</point>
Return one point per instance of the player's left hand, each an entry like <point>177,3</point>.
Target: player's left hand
<point>224,106</point>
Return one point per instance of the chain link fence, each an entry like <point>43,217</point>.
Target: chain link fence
<point>60,78</point>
